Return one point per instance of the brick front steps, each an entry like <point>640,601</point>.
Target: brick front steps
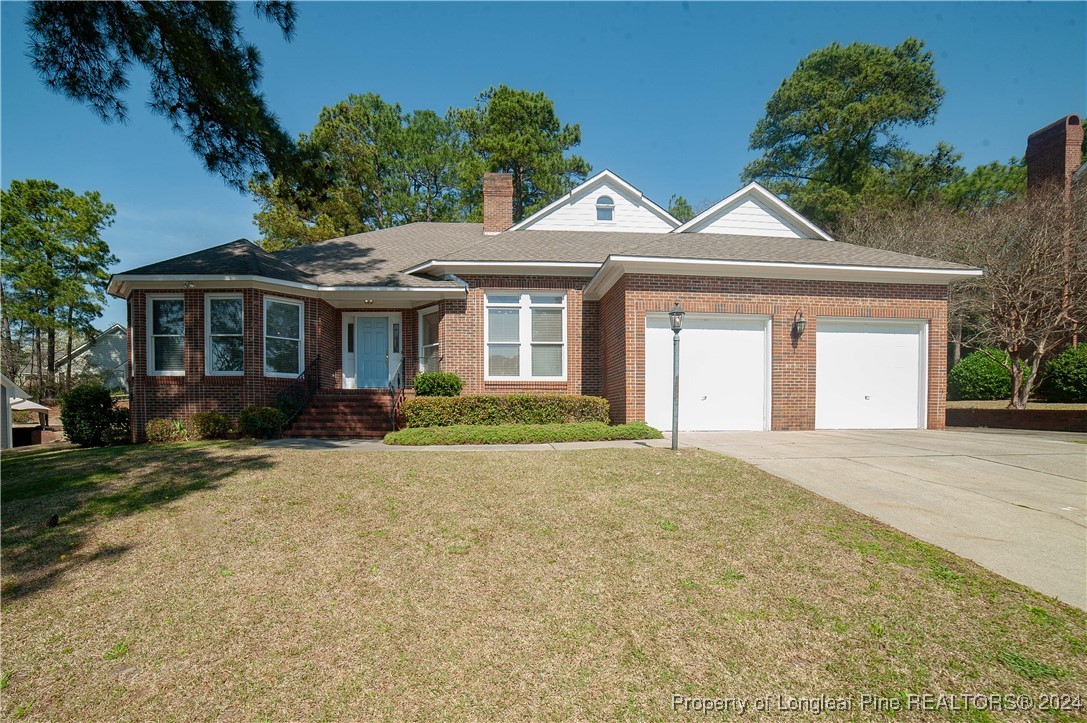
<point>343,414</point>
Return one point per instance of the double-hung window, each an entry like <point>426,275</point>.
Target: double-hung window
<point>224,350</point>
<point>166,336</point>
<point>283,340</point>
<point>428,340</point>
<point>526,335</point>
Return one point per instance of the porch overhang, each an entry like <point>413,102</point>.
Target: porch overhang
<point>122,286</point>
<point>617,266</point>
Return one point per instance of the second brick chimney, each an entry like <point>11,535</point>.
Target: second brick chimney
<point>1053,154</point>
<point>497,202</point>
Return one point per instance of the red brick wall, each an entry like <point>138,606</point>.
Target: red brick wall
<point>605,341</point>
<point>792,366</point>
<point>1053,153</point>
<point>461,343</point>
<point>176,397</point>
<point>497,202</point>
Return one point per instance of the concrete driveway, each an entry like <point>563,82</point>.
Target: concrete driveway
<point>1014,502</point>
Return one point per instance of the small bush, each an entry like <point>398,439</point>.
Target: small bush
<point>437,384</point>
<point>261,422</point>
<point>1066,376</point>
<point>209,425</point>
<point>120,431</point>
<point>485,409</point>
<point>980,376</point>
<point>86,412</point>
<point>521,433</point>
<point>165,430</point>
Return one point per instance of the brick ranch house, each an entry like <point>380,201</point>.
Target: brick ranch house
<point>571,300</point>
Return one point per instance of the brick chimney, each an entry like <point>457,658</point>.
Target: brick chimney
<point>1053,154</point>
<point>497,202</point>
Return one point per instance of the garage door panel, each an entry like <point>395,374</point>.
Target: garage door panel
<point>723,372</point>
<point>869,375</point>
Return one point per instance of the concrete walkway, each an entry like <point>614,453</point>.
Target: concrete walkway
<point>376,445</point>
<point>1013,502</point>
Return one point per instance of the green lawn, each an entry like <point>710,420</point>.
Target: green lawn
<point>231,581</point>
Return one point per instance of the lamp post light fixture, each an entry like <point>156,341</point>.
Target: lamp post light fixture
<point>675,316</point>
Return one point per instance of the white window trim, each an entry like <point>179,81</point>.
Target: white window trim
<point>605,206</point>
<point>208,371</point>
<point>301,337</point>
<point>419,334</point>
<point>151,371</point>
<point>525,331</point>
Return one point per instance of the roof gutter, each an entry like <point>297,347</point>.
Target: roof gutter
<point>120,285</point>
<point>616,266</point>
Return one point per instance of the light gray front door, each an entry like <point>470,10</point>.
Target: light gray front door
<point>372,351</point>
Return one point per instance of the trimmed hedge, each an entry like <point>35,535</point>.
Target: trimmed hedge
<point>980,376</point>
<point>89,418</point>
<point>209,425</point>
<point>437,384</point>
<point>161,430</point>
<point>490,409</point>
<point>521,433</point>
<point>262,422</point>
<point>1066,376</point>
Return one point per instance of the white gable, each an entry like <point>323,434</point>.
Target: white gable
<point>577,210</point>
<point>753,211</point>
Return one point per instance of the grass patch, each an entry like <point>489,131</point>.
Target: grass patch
<point>521,433</point>
<point>274,584</point>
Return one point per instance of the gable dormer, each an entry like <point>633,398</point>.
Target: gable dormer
<point>604,202</point>
<point>753,211</point>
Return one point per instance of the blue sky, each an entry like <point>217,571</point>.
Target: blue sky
<point>666,93</point>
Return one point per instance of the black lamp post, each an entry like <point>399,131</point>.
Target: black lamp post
<point>675,316</point>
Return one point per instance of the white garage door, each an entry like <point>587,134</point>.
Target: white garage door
<point>870,374</point>
<point>724,367</point>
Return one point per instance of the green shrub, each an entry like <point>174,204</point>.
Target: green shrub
<point>209,425</point>
<point>437,384</point>
<point>120,428</point>
<point>86,411</point>
<point>165,430</point>
<point>521,433</point>
<point>484,409</point>
<point>261,422</point>
<point>980,376</point>
<point>1066,376</point>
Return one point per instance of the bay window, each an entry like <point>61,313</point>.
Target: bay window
<point>166,335</point>
<point>224,350</point>
<point>525,335</point>
<point>283,340</point>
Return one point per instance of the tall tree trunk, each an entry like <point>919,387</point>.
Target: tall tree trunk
<point>51,362</point>
<point>38,353</point>
<point>956,341</point>
<point>68,370</point>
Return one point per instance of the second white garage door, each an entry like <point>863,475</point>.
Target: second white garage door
<point>724,372</point>
<point>870,374</point>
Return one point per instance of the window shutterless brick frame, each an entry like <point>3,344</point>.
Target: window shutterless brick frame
<point>462,348</point>
<point>177,397</point>
<point>624,307</point>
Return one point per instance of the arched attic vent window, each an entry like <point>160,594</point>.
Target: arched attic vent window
<point>605,208</point>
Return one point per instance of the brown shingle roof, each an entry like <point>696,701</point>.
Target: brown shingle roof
<point>379,258</point>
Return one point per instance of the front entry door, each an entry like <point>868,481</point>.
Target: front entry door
<point>372,347</point>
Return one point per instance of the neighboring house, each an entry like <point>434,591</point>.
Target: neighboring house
<point>572,300</point>
<point>10,393</point>
<point>105,355</point>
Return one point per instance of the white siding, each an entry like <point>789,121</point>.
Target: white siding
<point>579,214</point>
<point>748,216</point>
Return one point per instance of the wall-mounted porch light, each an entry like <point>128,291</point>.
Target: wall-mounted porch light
<point>799,325</point>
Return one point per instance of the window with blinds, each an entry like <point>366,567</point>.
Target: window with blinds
<point>526,335</point>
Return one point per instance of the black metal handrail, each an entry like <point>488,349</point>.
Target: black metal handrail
<point>294,397</point>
